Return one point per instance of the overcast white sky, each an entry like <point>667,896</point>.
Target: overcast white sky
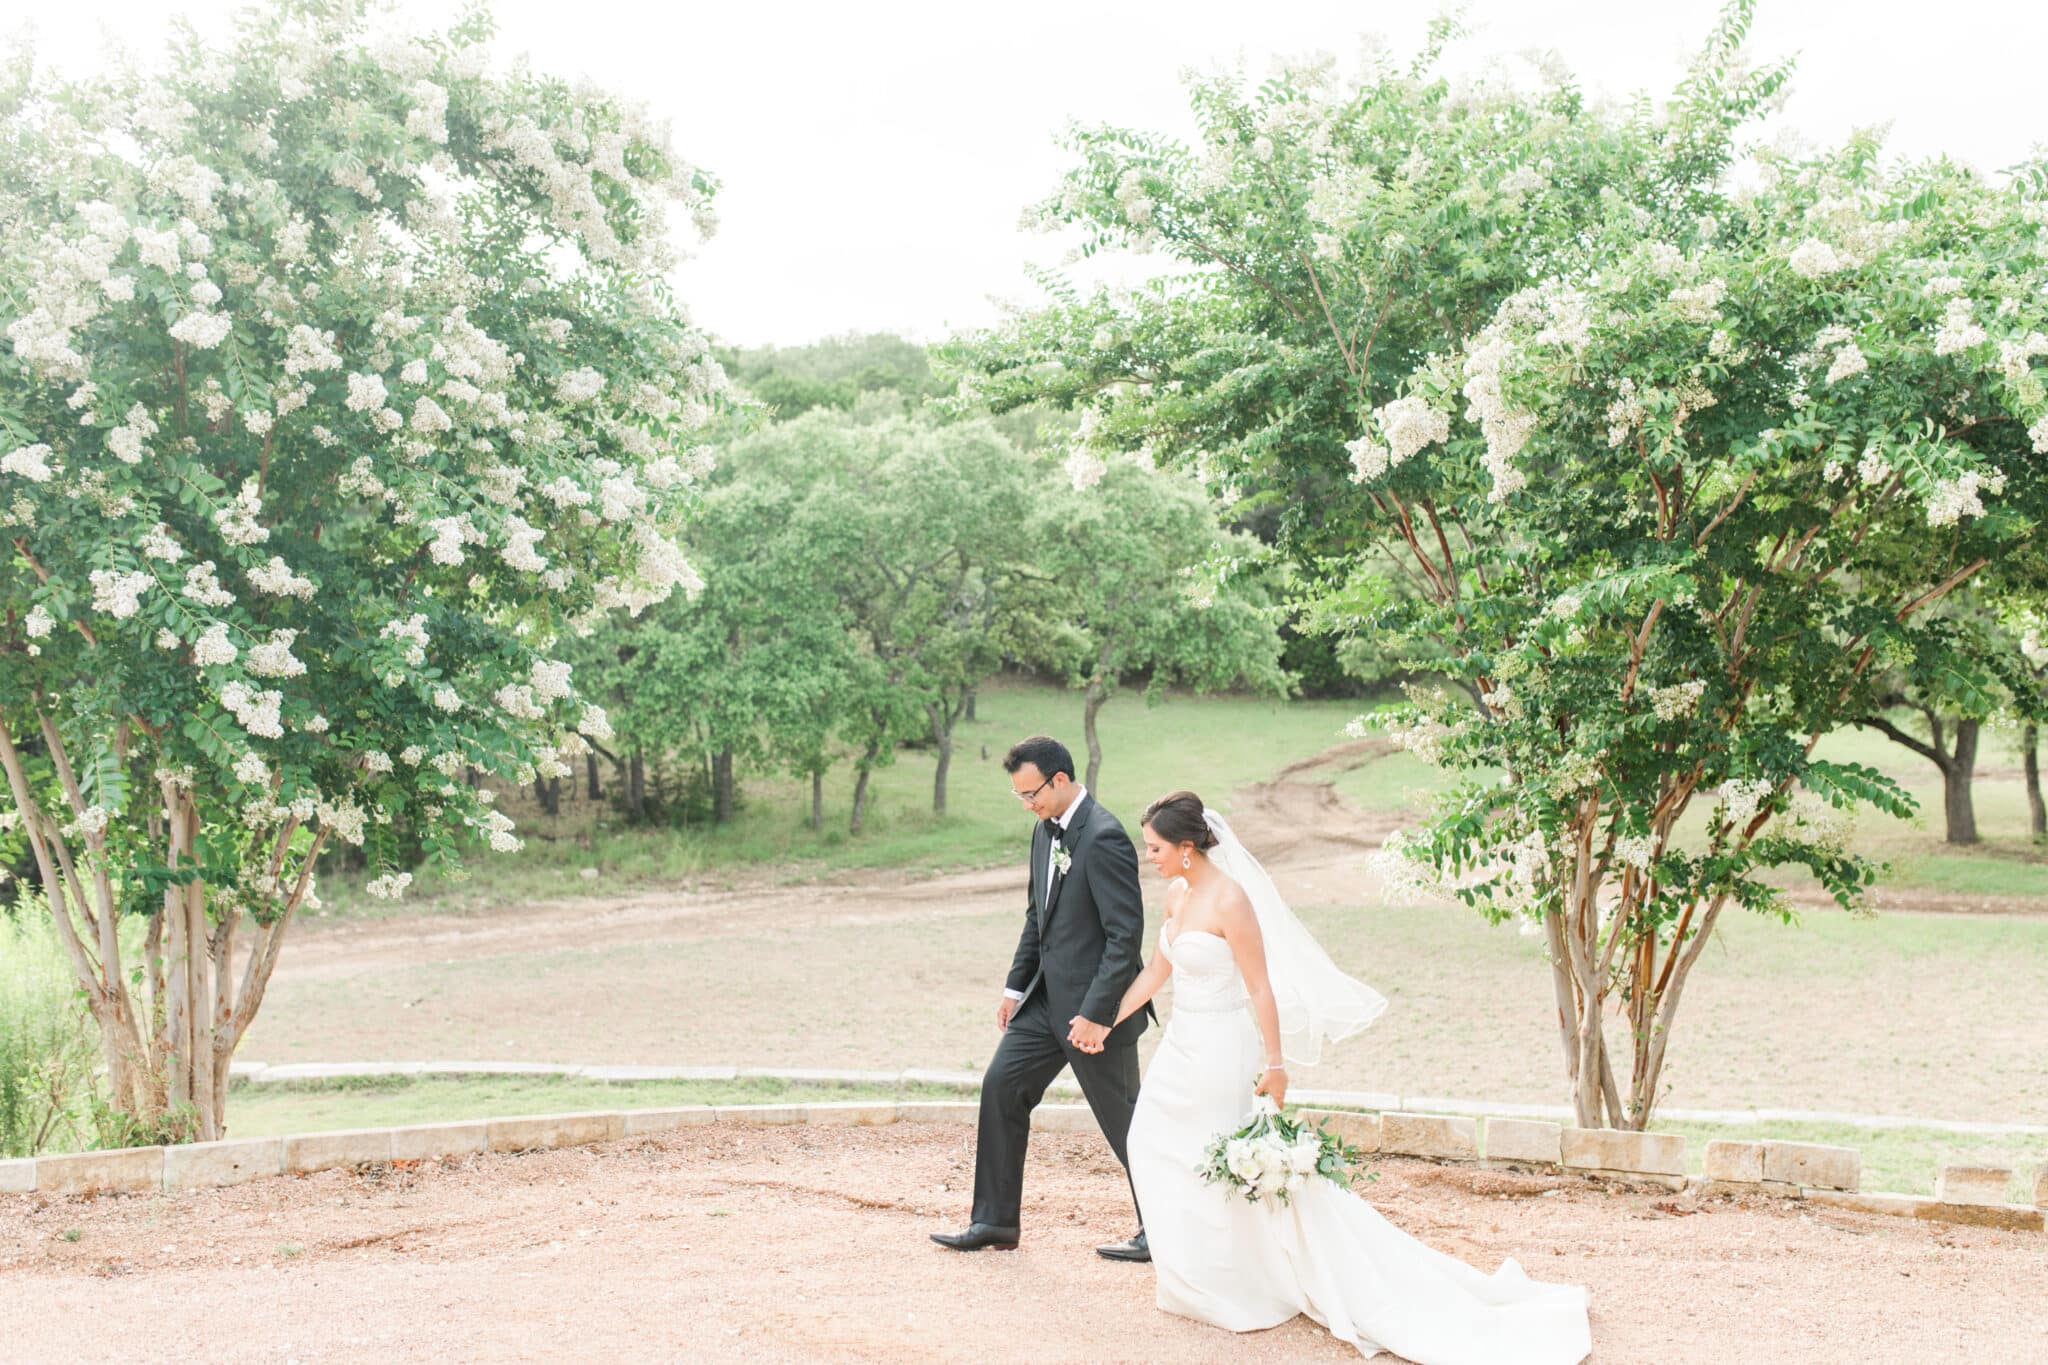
<point>876,156</point>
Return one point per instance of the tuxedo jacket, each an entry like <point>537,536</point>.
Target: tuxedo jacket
<point>1083,943</point>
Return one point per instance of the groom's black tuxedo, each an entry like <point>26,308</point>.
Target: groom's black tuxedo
<point>1081,948</point>
<point>1083,942</point>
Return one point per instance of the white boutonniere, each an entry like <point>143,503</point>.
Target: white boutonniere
<point>1061,859</point>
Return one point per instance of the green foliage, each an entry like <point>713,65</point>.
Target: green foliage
<point>335,396</point>
<point>47,1042</point>
<point>1655,471</point>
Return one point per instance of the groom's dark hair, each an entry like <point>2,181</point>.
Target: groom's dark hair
<point>1043,752</point>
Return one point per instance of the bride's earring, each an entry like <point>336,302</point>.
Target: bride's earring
<point>1186,859</point>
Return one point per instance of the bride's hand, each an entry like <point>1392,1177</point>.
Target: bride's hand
<point>1273,1082</point>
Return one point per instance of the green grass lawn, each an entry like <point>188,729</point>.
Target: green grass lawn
<point>2007,864</point>
<point>392,1101</point>
<point>1212,744</point>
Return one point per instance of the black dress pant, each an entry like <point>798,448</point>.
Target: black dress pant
<point>1031,1054</point>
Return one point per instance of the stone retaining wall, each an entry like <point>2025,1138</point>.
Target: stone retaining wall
<point>1822,1174</point>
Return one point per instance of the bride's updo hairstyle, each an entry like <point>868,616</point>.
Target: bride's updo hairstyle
<point>1177,818</point>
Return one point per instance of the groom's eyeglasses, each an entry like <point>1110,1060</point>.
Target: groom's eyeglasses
<point>1028,797</point>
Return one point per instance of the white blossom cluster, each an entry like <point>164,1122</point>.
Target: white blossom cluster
<point>28,462</point>
<point>413,630</point>
<point>1677,700</point>
<point>1959,330</point>
<point>274,659</point>
<point>579,386</point>
<point>125,441</point>
<point>450,535</point>
<point>213,648</point>
<point>1636,851</point>
<point>388,887</point>
<point>277,579</point>
<point>256,712</point>
<point>1950,500</point>
<point>158,543</point>
<point>202,588</point>
<point>1740,799</point>
<point>119,594</point>
<point>237,522</point>
<point>1814,259</point>
<point>1625,414</point>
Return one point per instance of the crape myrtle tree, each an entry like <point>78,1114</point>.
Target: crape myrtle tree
<point>338,385</point>
<point>1676,467</point>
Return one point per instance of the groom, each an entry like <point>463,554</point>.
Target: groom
<point>1079,950</point>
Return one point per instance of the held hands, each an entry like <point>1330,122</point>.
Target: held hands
<point>1273,1082</point>
<point>1085,1036</point>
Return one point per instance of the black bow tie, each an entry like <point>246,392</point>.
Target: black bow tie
<point>1052,827</point>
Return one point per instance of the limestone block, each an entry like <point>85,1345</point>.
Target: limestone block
<point>1064,1118</point>
<point>1810,1165</point>
<point>17,1177</point>
<point>849,1114</point>
<point>2011,1217</point>
<point>1869,1201</point>
<point>1736,1163</point>
<point>203,1165</point>
<point>306,1152</point>
<point>938,1111</point>
<point>1972,1184</point>
<point>641,1121</point>
<point>434,1141</point>
<point>538,1132</point>
<point>1623,1152</point>
<point>127,1170</point>
<point>761,1113</point>
<point>1524,1141</point>
<point>1360,1130</point>
<point>1433,1135</point>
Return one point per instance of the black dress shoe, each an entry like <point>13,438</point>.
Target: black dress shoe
<point>978,1236</point>
<point>1137,1249</point>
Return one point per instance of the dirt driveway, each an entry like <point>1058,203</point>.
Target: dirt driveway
<point>785,1244</point>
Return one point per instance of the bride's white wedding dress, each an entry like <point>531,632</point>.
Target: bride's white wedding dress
<point>1327,1253</point>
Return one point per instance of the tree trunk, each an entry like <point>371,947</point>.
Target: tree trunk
<point>636,789</point>
<point>722,796</point>
<point>1091,707</point>
<point>590,774</point>
<point>168,1034</point>
<point>942,735</point>
<point>1957,803</point>
<point>548,792</point>
<point>2037,813</point>
<point>860,789</point>
<point>817,799</point>
<point>967,712</point>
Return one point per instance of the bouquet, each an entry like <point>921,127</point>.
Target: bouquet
<point>1272,1156</point>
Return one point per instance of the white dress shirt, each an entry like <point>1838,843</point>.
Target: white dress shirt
<point>1064,820</point>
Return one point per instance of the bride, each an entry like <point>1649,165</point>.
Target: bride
<point>1254,991</point>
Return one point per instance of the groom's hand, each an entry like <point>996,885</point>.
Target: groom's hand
<point>1004,1009</point>
<point>1085,1035</point>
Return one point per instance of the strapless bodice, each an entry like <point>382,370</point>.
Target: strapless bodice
<point>1205,976</point>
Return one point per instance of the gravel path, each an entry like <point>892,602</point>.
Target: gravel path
<point>779,1244</point>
